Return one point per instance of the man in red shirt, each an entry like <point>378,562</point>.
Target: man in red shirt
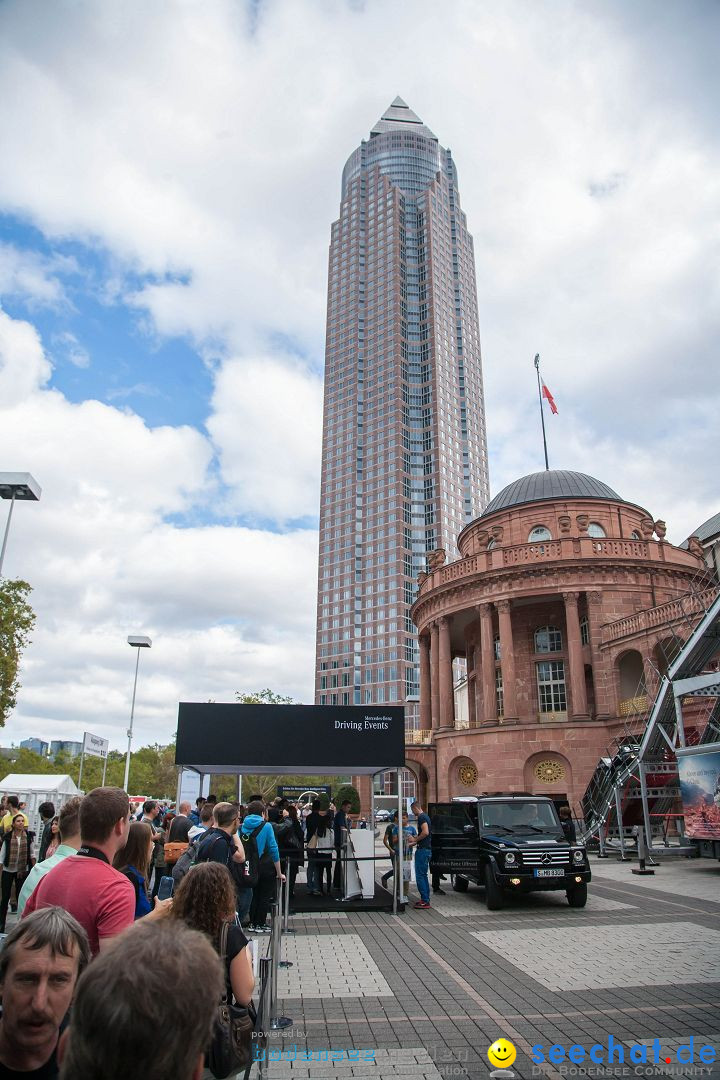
<point>98,896</point>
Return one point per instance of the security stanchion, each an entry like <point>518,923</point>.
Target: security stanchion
<point>277,1023</point>
<point>286,906</point>
<point>284,891</point>
<point>642,852</point>
<point>263,1011</point>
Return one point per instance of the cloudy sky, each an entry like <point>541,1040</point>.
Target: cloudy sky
<point>169,176</point>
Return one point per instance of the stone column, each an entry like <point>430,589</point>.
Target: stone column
<point>507,662</point>
<point>435,676</point>
<point>578,695</point>
<point>447,701</point>
<point>425,691</point>
<point>603,680</point>
<point>487,651</point>
<point>472,656</point>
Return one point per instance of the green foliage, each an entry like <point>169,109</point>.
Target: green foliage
<point>17,620</point>
<point>345,792</point>
<point>262,697</point>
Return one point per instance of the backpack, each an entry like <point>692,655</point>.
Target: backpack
<point>186,860</point>
<point>254,866</point>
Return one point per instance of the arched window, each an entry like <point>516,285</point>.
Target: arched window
<point>584,630</point>
<point>491,543</point>
<point>635,535</point>
<point>540,532</point>
<point>548,639</point>
<point>596,530</point>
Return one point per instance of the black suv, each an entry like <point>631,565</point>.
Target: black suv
<point>508,844</point>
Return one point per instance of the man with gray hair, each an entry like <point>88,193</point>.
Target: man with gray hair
<point>127,1020</point>
<point>40,962</point>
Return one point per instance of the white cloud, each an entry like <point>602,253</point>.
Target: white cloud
<point>23,365</point>
<point>33,277</point>
<point>267,424</point>
<point>203,154</point>
<point>227,607</point>
<point>71,350</point>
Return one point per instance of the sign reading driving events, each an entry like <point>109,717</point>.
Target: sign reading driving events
<point>311,739</point>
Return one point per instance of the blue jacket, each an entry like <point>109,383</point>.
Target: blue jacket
<point>265,838</point>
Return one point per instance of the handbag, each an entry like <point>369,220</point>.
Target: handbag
<point>312,842</point>
<point>173,851</point>
<point>231,1044</point>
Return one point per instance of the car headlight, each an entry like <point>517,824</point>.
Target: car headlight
<point>511,858</point>
<point>578,857</point>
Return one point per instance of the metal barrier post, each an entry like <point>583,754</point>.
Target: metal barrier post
<point>276,1022</point>
<point>263,1013</point>
<point>284,890</point>
<point>642,852</point>
<point>286,928</point>
<point>602,854</point>
<point>618,813</point>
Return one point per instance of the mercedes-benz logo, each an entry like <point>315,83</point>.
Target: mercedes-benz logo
<point>546,857</point>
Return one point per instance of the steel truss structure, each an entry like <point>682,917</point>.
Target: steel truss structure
<point>642,767</point>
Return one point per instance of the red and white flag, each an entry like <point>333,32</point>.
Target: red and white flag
<point>550,399</point>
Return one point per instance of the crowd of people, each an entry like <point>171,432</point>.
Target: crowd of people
<point>96,928</point>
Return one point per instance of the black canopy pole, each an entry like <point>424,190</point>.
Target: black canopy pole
<point>542,411</point>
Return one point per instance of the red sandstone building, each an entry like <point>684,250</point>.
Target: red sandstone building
<point>565,606</point>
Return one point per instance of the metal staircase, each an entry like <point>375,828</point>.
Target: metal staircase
<point>639,769</point>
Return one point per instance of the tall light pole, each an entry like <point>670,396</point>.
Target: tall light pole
<point>137,642</point>
<point>17,487</point>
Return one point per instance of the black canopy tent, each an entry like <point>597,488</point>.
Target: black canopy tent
<point>290,740</point>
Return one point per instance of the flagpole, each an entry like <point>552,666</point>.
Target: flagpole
<point>542,411</point>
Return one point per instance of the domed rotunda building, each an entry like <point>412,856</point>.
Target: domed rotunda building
<point>565,605</point>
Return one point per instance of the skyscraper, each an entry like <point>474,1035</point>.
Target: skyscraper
<point>404,459</point>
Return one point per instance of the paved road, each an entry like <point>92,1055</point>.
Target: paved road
<point>424,994</point>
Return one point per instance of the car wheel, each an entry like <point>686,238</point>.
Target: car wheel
<point>494,895</point>
<point>459,884</point>
<point>577,897</point>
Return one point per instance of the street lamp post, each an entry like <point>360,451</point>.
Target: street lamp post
<point>137,642</point>
<point>16,486</point>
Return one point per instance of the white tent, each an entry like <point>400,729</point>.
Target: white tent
<point>36,788</point>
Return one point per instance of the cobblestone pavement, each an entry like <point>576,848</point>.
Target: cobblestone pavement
<point>424,994</point>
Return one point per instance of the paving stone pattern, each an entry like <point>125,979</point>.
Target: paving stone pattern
<point>637,963</point>
<point>574,958</point>
<point>327,966</point>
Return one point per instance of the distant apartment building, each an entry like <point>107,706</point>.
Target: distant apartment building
<point>57,746</point>
<point>404,459</point>
<point>36,745</point>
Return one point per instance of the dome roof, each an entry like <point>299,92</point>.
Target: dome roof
<point>552,484</point>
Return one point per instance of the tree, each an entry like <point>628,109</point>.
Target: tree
<point>348,793</point>
<point>263,697</point>
<point>17,620</point>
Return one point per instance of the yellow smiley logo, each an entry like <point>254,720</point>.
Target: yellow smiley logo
<point>502,1053</point>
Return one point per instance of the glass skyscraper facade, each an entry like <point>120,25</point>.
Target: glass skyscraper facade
<point>404,459</point>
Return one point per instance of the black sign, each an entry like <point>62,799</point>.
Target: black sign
<point>294,791</point>
<point>314,739</point>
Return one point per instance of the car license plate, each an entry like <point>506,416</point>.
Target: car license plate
<point>554,872</point>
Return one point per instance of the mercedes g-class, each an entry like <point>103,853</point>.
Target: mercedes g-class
<point>508,844</point>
